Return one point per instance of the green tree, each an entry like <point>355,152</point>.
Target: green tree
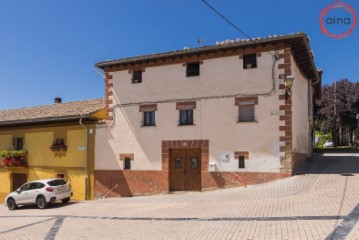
<point>337,109</point>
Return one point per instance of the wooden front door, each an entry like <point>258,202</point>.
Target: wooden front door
<point>185,169</point>
<point>18,179</point>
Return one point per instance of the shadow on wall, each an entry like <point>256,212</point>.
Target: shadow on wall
<point>231,179</point>
<point>111,184</point>
<point>330,163</point>
<point>130,183</point>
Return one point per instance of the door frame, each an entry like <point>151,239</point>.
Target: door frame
<point>180,179</point>
<point>202,144</point>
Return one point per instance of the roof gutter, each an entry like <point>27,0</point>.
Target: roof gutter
<point>43,120</point>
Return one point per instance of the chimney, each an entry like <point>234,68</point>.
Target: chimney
<point>58,100</point>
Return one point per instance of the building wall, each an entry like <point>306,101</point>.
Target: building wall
<point>219,76</point>
<point>44,163</point>
<point>145,142</point>
<point>301,123</point>
<point>268,140</point>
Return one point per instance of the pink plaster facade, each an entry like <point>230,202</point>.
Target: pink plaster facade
<point>273,144</point>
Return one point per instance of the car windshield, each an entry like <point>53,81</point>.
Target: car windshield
<point>57,182</point>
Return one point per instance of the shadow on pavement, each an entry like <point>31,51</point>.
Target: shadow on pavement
<point>331,161</point>
<point>51,206</point>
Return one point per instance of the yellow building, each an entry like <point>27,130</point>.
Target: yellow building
<point>50,141</point>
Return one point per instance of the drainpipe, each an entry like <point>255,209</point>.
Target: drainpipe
<point>312,132</point>
<point>86,160</point>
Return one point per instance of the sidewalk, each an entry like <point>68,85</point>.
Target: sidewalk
<point>321,204</point>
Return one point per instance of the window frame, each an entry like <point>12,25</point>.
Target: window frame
<point>152,118</point>
<point>16,143</point>
<point>241,162</point>
<point>250,59</point>
<point>127,163</point>
<point>246,104</point>
<point>136,77</point>
<point>193,69</point>
<point>186,122</point>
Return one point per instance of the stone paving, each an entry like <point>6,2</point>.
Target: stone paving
<point>323,203</point>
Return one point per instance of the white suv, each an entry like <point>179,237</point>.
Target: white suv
<point>40,193</point>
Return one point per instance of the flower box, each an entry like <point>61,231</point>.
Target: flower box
<point>56,147</point>
<point>15,158</point>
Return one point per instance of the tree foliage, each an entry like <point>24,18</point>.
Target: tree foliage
<point>338,107</point>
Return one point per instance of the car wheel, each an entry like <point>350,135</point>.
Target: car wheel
<point>11,204</point>
<point>41,202</point>
<point>65,200</point>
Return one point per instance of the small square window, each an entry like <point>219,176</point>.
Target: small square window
<point>241,162</point>
<point>186,117</point>
<point>178,163</point>
<point>192,69</point>
<point>249,61</point>
<point>136,77</point>
<point>18,143</point>
<point>149,118</point>
<point>246,113</point>
<point>127,163</point>
<point>193,163</point>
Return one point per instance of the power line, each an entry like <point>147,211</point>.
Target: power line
<point>231,23</point>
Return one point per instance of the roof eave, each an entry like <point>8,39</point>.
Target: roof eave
<point>289,39</point>
<point>46,120</point>
<point>196,50</point>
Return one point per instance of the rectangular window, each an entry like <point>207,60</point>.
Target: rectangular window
<point>186,117</point>
<point>60,141</point>
<point>250,61</point>
<point>192,69</point>
<point>149,118</point>
<point>18,143</point>
<point>136,77</point>
<point>241,162</point>
<point>246,113</point>
<point>127,163</point>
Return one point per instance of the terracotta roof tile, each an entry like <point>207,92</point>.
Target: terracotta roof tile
<point>56,111</point>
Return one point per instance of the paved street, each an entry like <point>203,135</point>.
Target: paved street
<point>321,203</point>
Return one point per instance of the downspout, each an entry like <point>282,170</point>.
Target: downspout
<point>86,160</point>
<point>311,129</point>
<point>311,134</point>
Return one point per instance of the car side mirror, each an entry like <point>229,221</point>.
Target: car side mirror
<point>18,191</point>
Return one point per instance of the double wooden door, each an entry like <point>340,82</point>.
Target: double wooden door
<point>185,169</point>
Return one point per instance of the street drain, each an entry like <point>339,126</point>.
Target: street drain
<point>347,174</point>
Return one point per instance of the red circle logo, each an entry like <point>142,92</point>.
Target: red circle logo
<point>337,5</point>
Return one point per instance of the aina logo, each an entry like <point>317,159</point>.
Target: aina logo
<point>338,20</point>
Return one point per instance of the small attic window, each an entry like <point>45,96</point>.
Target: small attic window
<point>249,61</point>
<point>192,69</point>
<point>136,77</point>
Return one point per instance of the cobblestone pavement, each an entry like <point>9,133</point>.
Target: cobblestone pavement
<point>323,203</point>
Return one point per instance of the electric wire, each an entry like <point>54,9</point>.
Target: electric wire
<point>232,24</point>
<point>269,93</point>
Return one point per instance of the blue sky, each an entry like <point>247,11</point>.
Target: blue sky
<point>48,48</point>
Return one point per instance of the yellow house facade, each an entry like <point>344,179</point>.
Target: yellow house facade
<point>50,141</point>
